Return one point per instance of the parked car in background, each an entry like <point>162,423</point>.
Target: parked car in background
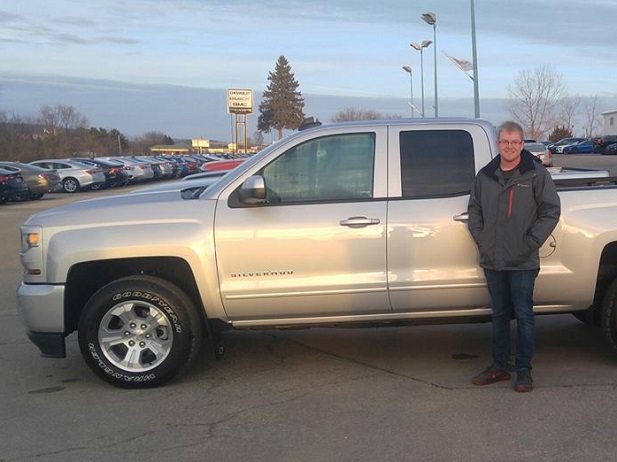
<point>541,152</point>
<point>178,169</point>
<point>75,175</point>
<point>223,164</point>
<point>583,147</point>
<point>192,163</point>
<point>611,149</point>
<point>39,181</point>
<point>182,167</point>
<point>138,171</point>
<point>12,186</point>
<point>557,148</point>
<point>114,172</point>
<point>603,142</point>
<point>161,169</point>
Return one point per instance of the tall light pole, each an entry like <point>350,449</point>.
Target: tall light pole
<point>420,47</point>
<point>476,91</point>
<point>431,20</point>
<point>408,69</point>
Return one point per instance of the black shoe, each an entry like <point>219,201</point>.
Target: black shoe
<point>524,382</point>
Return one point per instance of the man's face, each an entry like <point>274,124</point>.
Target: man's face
<point>510,145</point>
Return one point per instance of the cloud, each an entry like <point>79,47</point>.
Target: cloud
<point>81,21</point>
<point>6,18</point>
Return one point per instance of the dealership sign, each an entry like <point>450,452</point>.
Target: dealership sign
<point>240,101</point>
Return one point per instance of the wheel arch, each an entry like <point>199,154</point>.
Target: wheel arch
<point>84,279</point>
<point>607,273</point>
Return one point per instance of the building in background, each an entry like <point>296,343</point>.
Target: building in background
<point>609,122</point>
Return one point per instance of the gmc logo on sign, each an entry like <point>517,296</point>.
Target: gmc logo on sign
<point>240,101</point>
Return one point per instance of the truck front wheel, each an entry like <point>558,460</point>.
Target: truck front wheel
<point>609,315</point>
<point>139,332</point>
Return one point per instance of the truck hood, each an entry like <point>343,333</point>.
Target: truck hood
<point>126,208</point>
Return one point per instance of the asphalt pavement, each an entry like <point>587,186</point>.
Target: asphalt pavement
<point>400,393</point>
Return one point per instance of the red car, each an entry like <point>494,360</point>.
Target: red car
<point>224,164</point>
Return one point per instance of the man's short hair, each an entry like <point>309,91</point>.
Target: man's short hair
<point>510,127</point>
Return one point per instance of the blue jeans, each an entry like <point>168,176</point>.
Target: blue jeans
<point>512,292</point>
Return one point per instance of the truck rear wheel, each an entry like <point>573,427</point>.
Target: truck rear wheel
<point>609,315</point>
<point>139,332</point>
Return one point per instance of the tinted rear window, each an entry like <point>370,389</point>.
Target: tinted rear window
<point>436,163</point>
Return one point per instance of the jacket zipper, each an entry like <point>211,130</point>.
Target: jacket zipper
<point>510,201</point>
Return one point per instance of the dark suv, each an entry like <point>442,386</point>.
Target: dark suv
<point>602,142</point>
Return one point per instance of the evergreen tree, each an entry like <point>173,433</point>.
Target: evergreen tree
<point>559,133</point>
<point>281,104</point>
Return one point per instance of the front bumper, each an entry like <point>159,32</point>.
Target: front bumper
<point>42,309</point>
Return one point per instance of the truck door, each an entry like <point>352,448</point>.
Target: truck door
<point>316,247</point>
<point>432,258</point>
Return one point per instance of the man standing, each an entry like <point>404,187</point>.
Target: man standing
<point>513,209</point>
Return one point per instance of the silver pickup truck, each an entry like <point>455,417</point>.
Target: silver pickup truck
<point>360,223</point>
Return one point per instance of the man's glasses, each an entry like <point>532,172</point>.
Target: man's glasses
<point>510,143</point>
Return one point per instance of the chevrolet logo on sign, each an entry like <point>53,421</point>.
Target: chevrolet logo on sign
<point>240,101</point>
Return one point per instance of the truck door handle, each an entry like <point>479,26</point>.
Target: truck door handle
<point>464,217</point>
<point>359,222</point>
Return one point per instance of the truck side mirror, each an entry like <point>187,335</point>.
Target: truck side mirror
<point>253,190</point>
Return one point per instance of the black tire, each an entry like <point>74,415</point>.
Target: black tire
<point>140,332</point>
<point>70,185</point>
<point>609,316</point>
<point>35,196</point>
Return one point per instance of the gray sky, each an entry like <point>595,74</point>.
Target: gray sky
<point>342,48</point>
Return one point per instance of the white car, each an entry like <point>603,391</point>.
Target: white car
<point>541,152</point>
<point>74,175</point>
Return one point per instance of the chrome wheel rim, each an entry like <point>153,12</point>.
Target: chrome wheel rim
<point>70,186</point>
<point>135,336</point>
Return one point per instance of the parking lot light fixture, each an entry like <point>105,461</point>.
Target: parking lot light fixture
<point>431,20</point>
<point>420,47</point>
<point>409,70</point>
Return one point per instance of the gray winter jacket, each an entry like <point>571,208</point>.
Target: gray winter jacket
<point>510,221</point>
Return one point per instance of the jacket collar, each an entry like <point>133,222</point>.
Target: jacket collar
<point>527,164</point>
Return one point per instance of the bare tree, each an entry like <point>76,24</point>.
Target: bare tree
<point>70,118</point>
<point>352,113</point>
<point>534,99</point>
<point>18,138</point>
<point>592,118</point>
<point>569,106</point>
<point>258,138</point>
<point>142,144</point>
<point>49,119</point>
<point>60,125</point>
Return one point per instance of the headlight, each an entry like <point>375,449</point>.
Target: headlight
<point>29,240</point>
<point>31,251</point>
